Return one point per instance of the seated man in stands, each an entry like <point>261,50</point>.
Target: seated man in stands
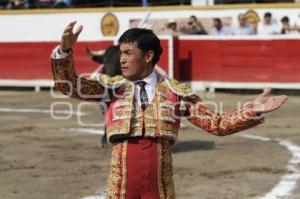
<point>243,28</point>
<point>193,27</point>
<point>17,4</point>
<point>287,28</point>
<point>171,28</point>
<point>62,3</point>
<point>45,3</point>
<point>3,4</point>
<point>218,28</point>
<point>268,26</point>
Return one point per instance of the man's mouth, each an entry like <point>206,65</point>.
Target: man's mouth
<point>124,68</point>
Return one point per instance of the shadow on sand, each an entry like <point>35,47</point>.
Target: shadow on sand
<point>186,146</point>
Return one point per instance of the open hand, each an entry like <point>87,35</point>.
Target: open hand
<point>265,103</point>
<point>69,38</point>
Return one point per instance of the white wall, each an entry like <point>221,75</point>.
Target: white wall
<point>202,2</point>
<point>49,26</point>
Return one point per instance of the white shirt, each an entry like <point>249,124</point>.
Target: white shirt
<point>247,29</point>
<point>61,55</point>
<point>271,29</point>
<point>223,31</point>
<point>151,79</point>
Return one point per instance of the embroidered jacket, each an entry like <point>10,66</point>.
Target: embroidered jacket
<point>172,100</point>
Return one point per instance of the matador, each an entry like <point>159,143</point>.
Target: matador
<point>144,114</point>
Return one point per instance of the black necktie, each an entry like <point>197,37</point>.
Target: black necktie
<point>143,94</point>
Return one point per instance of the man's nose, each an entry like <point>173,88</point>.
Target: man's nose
<point>122,60</point>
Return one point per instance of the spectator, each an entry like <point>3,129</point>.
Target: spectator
<point>218,28</point>
<point>62,4</point>
<point>171,28</point>
<point>17,4</point>
<point>286,27</point>
<point>193,27</point>
<point>3,4</point>
<point>268,26</point>
<point>45,3</point>
<point>243,28</point>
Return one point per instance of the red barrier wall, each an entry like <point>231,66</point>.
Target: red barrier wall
<point>240,61</point>
<point>196,60</point>
<point>24,61</point>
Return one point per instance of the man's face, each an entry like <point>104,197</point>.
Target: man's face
<point>133,61</point>
<point>172,26</point>
<point>242,20</point>
<point>285,23</point>
<point>267,20</point>
<point>217,24</point>
<point>192,22</point>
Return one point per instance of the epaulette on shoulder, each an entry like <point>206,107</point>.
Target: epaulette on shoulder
<point>112,82</point>
<point>180,89</point>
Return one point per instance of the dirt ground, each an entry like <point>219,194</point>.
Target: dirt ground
<point>39,159</point>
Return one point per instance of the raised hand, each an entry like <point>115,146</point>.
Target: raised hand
<point>265,103</point>
<point>69,38</point>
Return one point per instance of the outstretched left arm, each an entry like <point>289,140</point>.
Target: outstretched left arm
<point>245,117</point>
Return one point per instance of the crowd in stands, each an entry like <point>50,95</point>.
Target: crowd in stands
<point>27,4</point>
<point>267,26</point>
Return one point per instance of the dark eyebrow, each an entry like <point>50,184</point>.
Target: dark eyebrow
<point>125,51</point>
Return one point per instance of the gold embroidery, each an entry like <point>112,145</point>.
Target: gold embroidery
<point>167,105</point>
<point>167,111</point>
<point>115,118</point>
<point>225,124</point>
<point>124,171</point>
<point>121,113</point>
<point>137,121</point>
<point>116,184</point>
<point>151,118</point>
<point>165,170</point>
<point>68,82</point>
<point>161,89</point>
<point>180,89</point>
<point>122,103</point>
<point>159,122</point>
<point>112,82</point>
<point>168,119</point>
<point>117,130</point>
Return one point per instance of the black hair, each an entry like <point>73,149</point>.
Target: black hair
<point>193,17</point>
<point>285,19</point>
<point>268,14</point>
<point>218,20</point>
<point>146,40</point>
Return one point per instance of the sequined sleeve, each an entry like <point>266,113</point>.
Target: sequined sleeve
<point>221,124</point>
<point>69,83</point>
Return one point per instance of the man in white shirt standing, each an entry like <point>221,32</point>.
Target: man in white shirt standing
<point>268,26</point>
<point>143,117</point>
<point>243,28</point>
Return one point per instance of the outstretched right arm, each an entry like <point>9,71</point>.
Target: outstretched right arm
<point>65,77</point>
<point>69,83</point>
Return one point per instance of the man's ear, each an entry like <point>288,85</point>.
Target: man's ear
<point>149,56</point>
